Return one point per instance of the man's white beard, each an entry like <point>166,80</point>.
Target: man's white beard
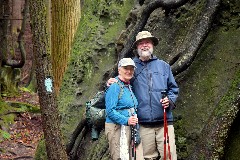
<point>145,55</point>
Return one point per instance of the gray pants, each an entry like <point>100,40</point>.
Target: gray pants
<point>113,131</point>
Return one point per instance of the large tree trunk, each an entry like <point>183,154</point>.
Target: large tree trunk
<point>65,19</point>
<point>40,19</point>
<point>192,42</point>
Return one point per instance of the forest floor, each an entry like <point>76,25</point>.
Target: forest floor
<point>26,131</point>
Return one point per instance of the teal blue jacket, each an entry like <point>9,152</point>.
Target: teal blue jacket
<point>117,106</point>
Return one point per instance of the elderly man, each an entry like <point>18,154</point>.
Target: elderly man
<point>151,77</point>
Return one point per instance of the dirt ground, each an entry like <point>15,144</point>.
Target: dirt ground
<point>26,131</point>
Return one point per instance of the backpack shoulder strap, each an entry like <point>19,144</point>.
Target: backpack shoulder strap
<point>121,89</point>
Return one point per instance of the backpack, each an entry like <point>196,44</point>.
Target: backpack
<point>95,112</point>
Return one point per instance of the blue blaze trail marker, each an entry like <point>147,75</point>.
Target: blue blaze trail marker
<point>48,84</point>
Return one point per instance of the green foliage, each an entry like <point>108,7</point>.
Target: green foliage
<point>23,107</point>
<point>8,113</point>
<point>229,17</point>
<point>229,113</point>
<point>181,139</point>
<point>230,96</point>
<point>41,153</point>
<point>210,84</point>
<point>9,78</point>
<point>26,89</point>
<point>4,134</point>
<point>6,117</point>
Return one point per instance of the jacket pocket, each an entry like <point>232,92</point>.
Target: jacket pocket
<point>159,81</point>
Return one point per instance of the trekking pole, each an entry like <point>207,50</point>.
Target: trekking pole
<point>133,129</point>
<point>133,141</point>
<point>166,137</point>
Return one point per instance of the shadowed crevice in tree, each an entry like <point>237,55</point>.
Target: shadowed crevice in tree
<point>141,2</point>
<point>195,38</point>
<point>70,146</point>
<point>77,145</point>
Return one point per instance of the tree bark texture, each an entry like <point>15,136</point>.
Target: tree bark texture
<point>40,23</point>
<point>196,36</point>
<point>7,33</point>
<point>215,133</point>
<point>21,33</point>
<point>138,23</point>
<point>65,19</point>
<point>4,29</point>
<point>212,142</point>
<point>1,45</point>
<point>142,20</point>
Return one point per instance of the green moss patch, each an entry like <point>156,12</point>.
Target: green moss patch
<point>208,80</point>
<point>93,55</point>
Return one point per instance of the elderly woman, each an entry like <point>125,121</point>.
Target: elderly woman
<point>121,105</point>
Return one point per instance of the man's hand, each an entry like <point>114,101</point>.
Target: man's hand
<point>165,102</point>
<point>111,81</point>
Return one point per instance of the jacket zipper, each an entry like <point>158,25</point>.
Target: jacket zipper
<point>151,83</point>
<point>150,89</point>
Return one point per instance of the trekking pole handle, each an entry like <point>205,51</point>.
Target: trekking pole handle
<point>164,94</point>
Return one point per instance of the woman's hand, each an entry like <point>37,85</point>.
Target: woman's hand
<point>133,120</point>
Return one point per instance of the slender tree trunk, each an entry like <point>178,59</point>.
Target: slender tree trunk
<point>40,20</point>
<point>16,15</point>
<point>1,45</point>
<point>65,19</point>
<point>5,19</point>
<point>4,15</point>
